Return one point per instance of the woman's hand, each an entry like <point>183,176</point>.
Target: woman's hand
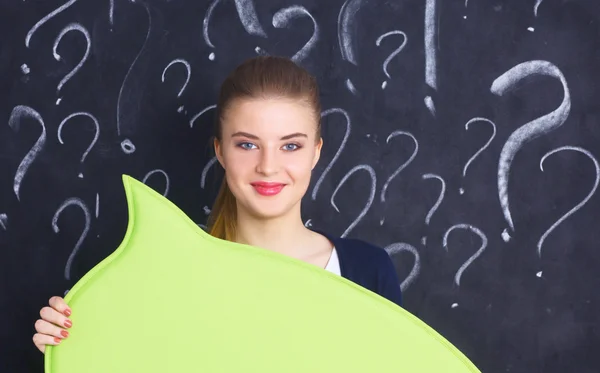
<point>51,327</point>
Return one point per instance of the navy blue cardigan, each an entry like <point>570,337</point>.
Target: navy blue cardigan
<point>368,266</point>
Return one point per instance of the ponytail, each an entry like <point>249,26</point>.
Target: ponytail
<point>223,216</point>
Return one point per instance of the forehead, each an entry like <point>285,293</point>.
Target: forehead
<point>265,116</point>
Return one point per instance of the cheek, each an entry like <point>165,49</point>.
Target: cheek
<point>238,164</point>
<point>301,168</point>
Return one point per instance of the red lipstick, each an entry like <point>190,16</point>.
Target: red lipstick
<point>267,188</point>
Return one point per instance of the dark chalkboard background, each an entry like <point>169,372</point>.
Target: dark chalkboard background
<point>517,306</point>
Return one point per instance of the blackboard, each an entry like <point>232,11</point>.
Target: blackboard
<point>462,136</point>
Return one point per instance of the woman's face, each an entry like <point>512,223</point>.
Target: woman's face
<point>268,149</point>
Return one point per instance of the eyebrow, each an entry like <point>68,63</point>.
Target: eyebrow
<point>254,137</point>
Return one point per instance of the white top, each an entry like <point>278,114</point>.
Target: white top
<point>333,265</point>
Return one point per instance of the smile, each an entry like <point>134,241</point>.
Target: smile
<point>267,189</point>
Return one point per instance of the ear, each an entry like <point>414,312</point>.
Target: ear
<point>317,153</point>
<point>218,151</point>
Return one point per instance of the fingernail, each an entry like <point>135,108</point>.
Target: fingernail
<point>57,340</point>
<point>64,333</point>
<point>67,312</point>
<point>68,323</point>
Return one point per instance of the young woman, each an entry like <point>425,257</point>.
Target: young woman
<point>268,140</point>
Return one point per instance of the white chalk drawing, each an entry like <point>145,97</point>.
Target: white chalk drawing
<point>283,18</point>
<point>351,87</point>
<point>536,7</point>
<point>127,146</point>
<point>46,19</point>
<point>393,54</point>
<point>206,21</point>
<point>4,221</point>
<point>430,105</point>
<point>347,30</point>
<point>440,198</point>
<point>431,40</point>
<point>205,24</point>
<point>580,205</point>
<point>96,133</point>
<point>18,113</point>
<point>207,167</point>
<point>130,148</point>
<point>478,120</point>
<point>111,13</point>
<point>200,114</point>
<point>528,131</point>
<point>403,165</point>
<point>188,69</point>
<point>247,13</point>
<point>159,171</point>
<point>396,248</point>
<point>338,152</point>
<point>484,242</point>
<point>74,201</point>
<point>362,214</point>
<point>71,27</point>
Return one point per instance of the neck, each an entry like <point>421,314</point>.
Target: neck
<point>281,234</point>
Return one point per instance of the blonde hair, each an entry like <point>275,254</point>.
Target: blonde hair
<point>258,77</point>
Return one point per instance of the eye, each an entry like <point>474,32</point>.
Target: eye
<point>291,147</point>
<point>246,145</point>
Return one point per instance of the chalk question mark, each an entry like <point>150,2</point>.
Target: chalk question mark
<point>96,134</point>
<point>126,145</point>
<point>401,167</point>
<point>367,206</point>
<point>338,152</point>
<point>484,242</point>
<point>396,248</point>
<point>71,27</point>
<point>212,161</point>
<point>437,203</point>
<point>393,54</point>
<point>46,19</point>
<point>580,205</point>
<point>17,114</point>
<point>530,130</point>
<point>159,171</point>
<point>79,203</point>
<point>247,14</point>
<point>477,120</point>
<point>187,79</point>
<point>284,16</point>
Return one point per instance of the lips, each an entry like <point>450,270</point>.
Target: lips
<point>267,188</point>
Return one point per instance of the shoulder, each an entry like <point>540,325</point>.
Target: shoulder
<point>367,254</point>
<point>368,265</point>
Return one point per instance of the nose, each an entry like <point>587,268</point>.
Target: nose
<point>268,162</point>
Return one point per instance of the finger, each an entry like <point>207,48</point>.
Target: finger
<point>41,340</point>
<point>59,304</point>
<point>44,327</point>
<point>53,316</point>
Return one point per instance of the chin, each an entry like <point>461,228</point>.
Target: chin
<point>270,208</point>
<point>263,211</point>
